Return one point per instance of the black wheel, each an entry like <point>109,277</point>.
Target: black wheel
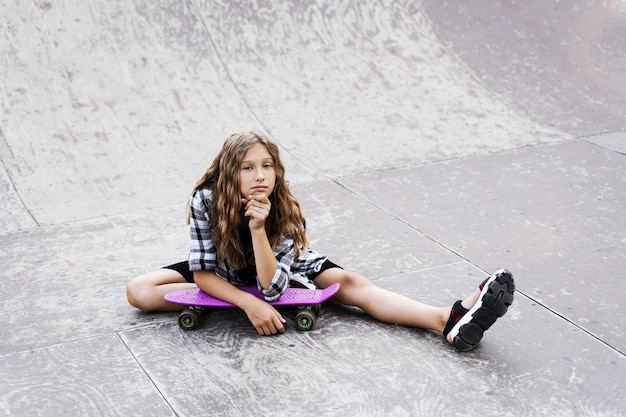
<point>189,319</point>
<point>305,319</point>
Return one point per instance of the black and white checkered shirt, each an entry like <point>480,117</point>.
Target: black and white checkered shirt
<point>203,253</point>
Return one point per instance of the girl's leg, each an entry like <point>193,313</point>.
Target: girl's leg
<point>146,291</point>
<point>384,305</point>
<point>476,313</point>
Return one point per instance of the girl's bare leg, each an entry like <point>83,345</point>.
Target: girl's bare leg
<point>466,327</point>
<point>146,291</point>
<point>385,305</point>
<point>382,304</point>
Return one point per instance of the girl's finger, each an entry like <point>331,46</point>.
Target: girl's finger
<point>278,324</point>
<point>261,198</point>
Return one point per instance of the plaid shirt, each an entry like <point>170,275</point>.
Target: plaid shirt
<point>203,253</point>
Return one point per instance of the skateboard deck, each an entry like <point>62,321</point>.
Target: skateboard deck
<point>306,300</point>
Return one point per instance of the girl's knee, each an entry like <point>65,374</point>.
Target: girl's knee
<point>132,294</point>
<point>146,292</point>
<point>352,280</point>
<point>347,280</point>
<point>138,295</point>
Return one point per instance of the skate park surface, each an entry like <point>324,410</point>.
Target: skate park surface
<point>429,143</point>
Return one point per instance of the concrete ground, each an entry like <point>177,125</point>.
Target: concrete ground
<point>430,143</point>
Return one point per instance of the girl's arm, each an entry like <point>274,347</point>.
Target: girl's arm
<point>264,317</point>
<point>257,208</point>
<point>264,258</point>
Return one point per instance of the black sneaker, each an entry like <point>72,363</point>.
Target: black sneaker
<point>495,298</point>
<point>456,313</point>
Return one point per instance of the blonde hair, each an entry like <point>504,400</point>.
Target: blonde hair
<point>222,178</point>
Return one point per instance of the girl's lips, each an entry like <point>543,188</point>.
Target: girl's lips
<point>259,189</point>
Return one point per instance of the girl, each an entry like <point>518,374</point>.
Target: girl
<point>247,229</point>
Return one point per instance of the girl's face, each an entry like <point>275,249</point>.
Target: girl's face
<point>257,175</point>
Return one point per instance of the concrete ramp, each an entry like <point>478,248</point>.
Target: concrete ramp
<point>430,143</point>
<point>562,63</point>
<point>102,114</point>
<point>115,107</point>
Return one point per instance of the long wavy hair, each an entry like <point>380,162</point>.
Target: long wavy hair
<point>227,220</point>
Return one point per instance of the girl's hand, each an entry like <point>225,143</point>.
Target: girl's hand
<point>264,317</point>
<point>256,207</point>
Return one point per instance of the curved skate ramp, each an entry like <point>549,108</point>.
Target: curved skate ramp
<point>562,63</point>
<point>103,102</point>
<point>428,142</point>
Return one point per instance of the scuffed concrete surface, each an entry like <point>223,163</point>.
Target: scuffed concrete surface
<point>428,143</point>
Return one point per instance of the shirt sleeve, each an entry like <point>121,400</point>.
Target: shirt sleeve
<point>202,251</point>
<point>284,254</point>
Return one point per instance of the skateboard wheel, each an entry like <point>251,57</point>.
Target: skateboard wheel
<point>316,309</point>
<point>305,319</point>
<point>189,319</point>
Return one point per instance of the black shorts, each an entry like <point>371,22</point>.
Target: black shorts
<point>183,269</point>
<point>326,265</point>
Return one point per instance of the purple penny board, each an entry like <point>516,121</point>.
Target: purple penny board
<point>291,296</point>
<point>308,302</point>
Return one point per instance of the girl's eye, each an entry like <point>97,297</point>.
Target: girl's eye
<point>246,168</point>
<point>267,166</point>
